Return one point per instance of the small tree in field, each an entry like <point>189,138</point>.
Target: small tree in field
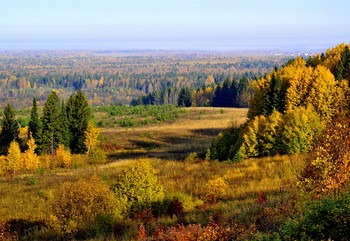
<point>91,137</point>
<point>30,158</point>
<point>14,163</point>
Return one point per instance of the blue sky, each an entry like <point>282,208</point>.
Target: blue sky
<point>183,24</point>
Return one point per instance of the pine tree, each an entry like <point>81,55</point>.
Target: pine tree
<point>79,114</point>
<point>9,129</point>
<point>51,126</point>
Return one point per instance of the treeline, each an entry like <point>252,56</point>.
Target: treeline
<point>229,93</point>
<point>116,79</point>
<point>290,108</point>
<point>61,124</point>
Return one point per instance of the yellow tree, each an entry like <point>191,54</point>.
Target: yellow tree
<point>322,92</point>
<point>30,158</point>
<point>260,88</point>
<point>91,137</point>
<point>14,158</point>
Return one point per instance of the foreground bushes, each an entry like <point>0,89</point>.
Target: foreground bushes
<point>77,205</point>
<point>137,187</point>
<point>324,219</point>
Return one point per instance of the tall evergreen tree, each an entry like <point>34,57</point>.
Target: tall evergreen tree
<point>79,114</point>
<point>65,140</point>
<point>51,126</point>
<point>9,129</point>
<point>342,70</point>
<point>34,126</point>
<point>274,99</point>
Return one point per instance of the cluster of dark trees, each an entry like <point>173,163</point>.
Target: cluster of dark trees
<point>167,96</point>
<point>230,93</point>
<point>60,123</point>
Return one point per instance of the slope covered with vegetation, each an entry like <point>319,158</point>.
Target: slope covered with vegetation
<point>278,171</point>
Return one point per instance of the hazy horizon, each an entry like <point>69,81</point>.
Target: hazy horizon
<point>184,24</point>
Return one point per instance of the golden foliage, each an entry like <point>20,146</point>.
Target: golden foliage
<point>14,162</point>
<point>216,188</point>
<point>23,131</point>
<point>76,205</point>
<point>63,157</point>
<point>260,88</point>
<point>30,158</point>
<point>91,136</point>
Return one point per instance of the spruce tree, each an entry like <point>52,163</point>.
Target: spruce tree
<point>34,125</point>
<point>9,129</point>
<point>65,138</point>
<point>51,126</point>
<point>79,114</point>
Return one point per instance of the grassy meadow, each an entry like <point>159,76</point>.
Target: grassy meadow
<point>168,145</point>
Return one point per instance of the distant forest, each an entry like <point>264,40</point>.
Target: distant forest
<point>117,77</point>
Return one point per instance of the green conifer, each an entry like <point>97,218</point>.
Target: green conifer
<point>9,129</point>
<point>79,115</point>
<point>51,126</point>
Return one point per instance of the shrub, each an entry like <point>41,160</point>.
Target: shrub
<point>96,155</point>
<point>137,187</point>
<point>175,207</point>
<point>189,203</point>
<point>328,170</point>
<point>63,157</point>
<point>193,157</point>
<point>77,205</point>
<point>324,219</point>
<point>216,188</point>
<point>225,145</point>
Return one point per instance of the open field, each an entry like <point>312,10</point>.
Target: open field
<point>29,196</point>
<point>173,141</point>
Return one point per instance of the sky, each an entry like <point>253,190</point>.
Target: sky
<point>173,24</point>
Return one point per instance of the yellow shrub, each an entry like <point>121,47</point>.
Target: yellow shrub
<point>63,157</point>
<point>216,188</point>
<point>77,205</point>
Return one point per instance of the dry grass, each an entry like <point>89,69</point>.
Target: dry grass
<point>174,141</point>
<point>165,145</point>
